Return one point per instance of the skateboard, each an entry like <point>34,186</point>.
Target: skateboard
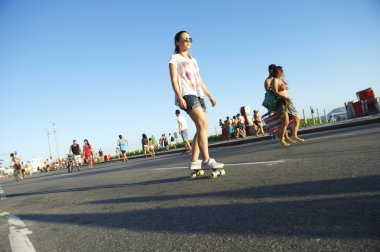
<point>214,173</point>
<point>185,152</point>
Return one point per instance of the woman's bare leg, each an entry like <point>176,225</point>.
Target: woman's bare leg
<point>284,126</point>
<point>200,141</point>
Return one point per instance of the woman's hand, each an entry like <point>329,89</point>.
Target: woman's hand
<point>213,101</point>
<point>182,103</point>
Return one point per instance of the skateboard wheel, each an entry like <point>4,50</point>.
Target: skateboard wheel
<point>214,174</point>
<point>201,172</point>
<point>193,175</point>
<point>222,172</point>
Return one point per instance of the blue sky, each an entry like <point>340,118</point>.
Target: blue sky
<point>98,69</point>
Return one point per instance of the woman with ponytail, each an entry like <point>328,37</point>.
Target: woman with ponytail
<point>189,92</point>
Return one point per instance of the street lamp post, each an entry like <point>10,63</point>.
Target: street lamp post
<point>55,138</point>
<point>48,137</point>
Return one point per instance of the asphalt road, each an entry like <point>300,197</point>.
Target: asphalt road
<point>320,195</point>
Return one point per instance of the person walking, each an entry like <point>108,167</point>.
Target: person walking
<point>172,142</point>
<point>87,151</point>
<point>285,107</point>
<point>257,121</point>
<point>16,166</point>
<point>122,143</point>
<point>151,147</point>
<point>101,155</point>
<point>154,141</point>
<point>268,88</point>
<point>183,131</point>
<point>163,142</point>
<point>75,150</point>
<point>145,144</point>
<point>189,91</point>
<point>241,125</point>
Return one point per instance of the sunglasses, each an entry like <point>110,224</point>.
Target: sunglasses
<point>187,40</point>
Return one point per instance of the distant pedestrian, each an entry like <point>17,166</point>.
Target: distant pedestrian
<point>257,121</point>
<point>151,147</point>
<point>145,144</point>
<point>223,126</point>
<point>29,168</point>
<point>172,141</point>
<point>164,142</point>
<point>241,124</point>
<point>122,143</point>
<point>237,126</point>
<point>76,151</point>
<point>16,164</point>
<point>154,141</point>
<point>230,128</point>
<point>183,131</point>
<point>47,166</point>
<point>189,91</point>
<point>87,151</point>
<point>101,155</point>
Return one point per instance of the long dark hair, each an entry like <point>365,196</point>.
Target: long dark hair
<point>271,68</point>
<point>277,72</point>
<point>176,39</point>
<point>144,136</point>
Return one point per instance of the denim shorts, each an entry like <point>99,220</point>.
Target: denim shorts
<point>185,135</point>
<point>193,101</point>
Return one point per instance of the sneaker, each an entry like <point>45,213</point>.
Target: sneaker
<point>197,165</point>
<point>212,164</point>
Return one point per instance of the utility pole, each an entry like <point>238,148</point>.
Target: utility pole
<point>304,117</point>
<point>312,116</point>
<point>55,138</point>
<point>319,118</point>
<point>48,137</point>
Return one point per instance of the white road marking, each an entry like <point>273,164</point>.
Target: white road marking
<point>18,234</point>
<point>226,165</point>
<point>2,195</point>
<point>258,163</point>
<point>340,135</point>
<point>17,231</point>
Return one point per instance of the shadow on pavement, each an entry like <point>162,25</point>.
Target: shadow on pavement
<point>311,188</point>
<point>89,188</point>
<point>334,216</point>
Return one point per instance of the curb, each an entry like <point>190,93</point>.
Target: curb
<point>308,130</point>
<point>302,131</point>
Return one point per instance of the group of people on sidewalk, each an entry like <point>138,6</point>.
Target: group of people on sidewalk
<point>235,127</point>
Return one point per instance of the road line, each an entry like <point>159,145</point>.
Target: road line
<point>170,168</point>
<point>2,194</point>
<point>336,136</point>
<point>254,163</point>
<point>18,234</point>
<point>226,165</point>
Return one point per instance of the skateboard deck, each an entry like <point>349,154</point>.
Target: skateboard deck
<point>213,174</point>
<point>185,152</point>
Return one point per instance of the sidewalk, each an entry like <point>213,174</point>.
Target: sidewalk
<point>302,131</point>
